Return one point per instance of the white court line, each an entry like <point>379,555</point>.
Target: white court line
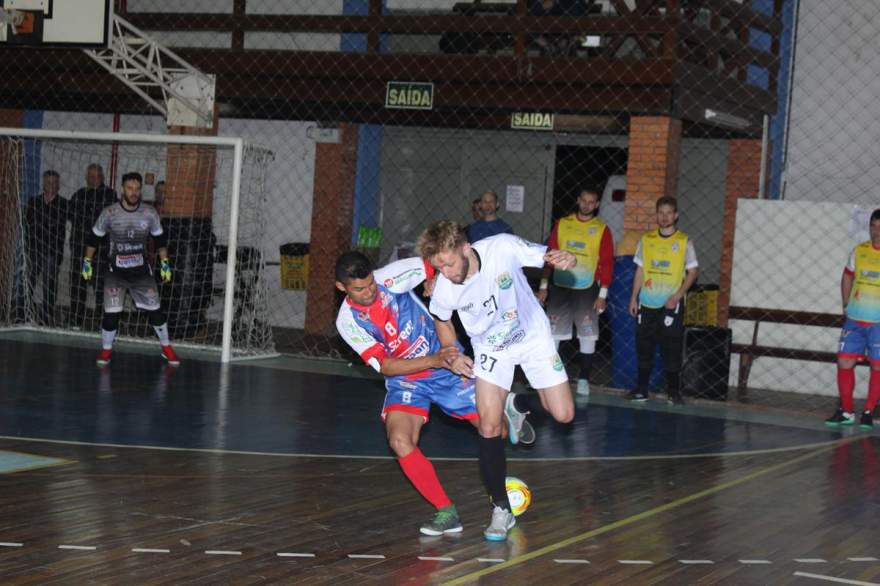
<point>696,562</point>
<point>490,560</point>
<point>833,579</point>
<point>636,562</point>
<point>571,561</point>
<point>221,552</point>
<point>10,544</point>
<point>366,556</point>
<point>810,561</point>
<point>284,554</point>
<point>352,457</point>
<point>79,547</point>
<point>755,562</point>
<point>427,558</point>
<point>149,550</point>
<point>863,559</point>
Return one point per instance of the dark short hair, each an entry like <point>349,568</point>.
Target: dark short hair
<point>875,215</point>
<point>668,200</point>
<point>161,182</point>
<point>132,176</point>
<point>590,188</point>
<point>352,265</point>
<point>51,173</point>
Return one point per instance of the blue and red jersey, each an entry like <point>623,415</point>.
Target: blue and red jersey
<point>397,324</point>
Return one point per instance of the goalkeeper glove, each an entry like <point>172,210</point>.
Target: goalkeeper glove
<point>165,270</point>
<point>87,271</point>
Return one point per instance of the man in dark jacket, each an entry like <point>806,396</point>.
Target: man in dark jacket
<point>45,226</point>
<point>83,209</point>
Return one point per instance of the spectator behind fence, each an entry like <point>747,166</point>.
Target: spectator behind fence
<point>159,196</point>
<point>476,212</point>
<point>556,44</point>
<point>83,210</point>
<point>45,224</point>
<point>490,224</point>
<point>666,267</point>
<point>861,330</point>
<point>577,296</point>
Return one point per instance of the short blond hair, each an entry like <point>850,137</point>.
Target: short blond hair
<point>440,237</point>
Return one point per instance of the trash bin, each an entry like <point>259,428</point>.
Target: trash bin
<point>294,265</point>
<point>624,363</point>
<point>701,306</point>
<point>705,371</point>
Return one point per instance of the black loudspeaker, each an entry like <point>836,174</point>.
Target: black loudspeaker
<point>706,366</point>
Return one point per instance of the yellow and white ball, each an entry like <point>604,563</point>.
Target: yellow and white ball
<point>518,494</point>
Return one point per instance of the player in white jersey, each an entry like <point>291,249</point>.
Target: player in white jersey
<point>485,284</point>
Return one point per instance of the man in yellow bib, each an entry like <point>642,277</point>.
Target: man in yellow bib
<point>666,267</point>
<point>860,292</point>
<point>577,296</point>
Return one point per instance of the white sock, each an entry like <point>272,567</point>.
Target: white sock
<point>588,345</point>
<point>107,339</point>
<point>162,332</point>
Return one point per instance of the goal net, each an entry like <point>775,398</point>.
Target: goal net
<point>210,194</point>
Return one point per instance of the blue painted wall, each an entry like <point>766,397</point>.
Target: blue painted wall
<point>367,205</point>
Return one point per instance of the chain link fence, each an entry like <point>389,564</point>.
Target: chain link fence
<point>386,115</point>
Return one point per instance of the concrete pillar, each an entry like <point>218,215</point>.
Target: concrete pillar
<point>331,233</point>
<point>652,172</point>
<point>742,180</point>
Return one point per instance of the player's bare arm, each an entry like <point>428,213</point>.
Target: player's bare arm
<point>458,363</point>
<point>400,366</point>
<point>561,259</point>
<point>846,285</point>
<point>689,279</point>
<point>637,286</point>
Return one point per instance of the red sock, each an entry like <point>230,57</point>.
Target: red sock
<point>846,382</point>
<point>421,473</point>
<point>873,390</point>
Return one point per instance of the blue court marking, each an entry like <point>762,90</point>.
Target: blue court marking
<point>56,392</point>
<point>17,462</point>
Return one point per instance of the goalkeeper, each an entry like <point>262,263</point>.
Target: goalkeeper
<point>129,224</point>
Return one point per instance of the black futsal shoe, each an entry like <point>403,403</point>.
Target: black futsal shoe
<point>840,418</point>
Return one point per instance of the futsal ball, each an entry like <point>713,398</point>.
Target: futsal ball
<point>518,494</point>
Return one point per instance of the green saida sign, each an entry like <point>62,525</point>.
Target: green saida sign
<point>409,95</point>
<point>532,121</point>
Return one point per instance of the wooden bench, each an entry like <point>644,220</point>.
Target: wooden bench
<point>749,352</point>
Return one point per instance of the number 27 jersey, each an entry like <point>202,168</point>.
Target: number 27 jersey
<point>497,307</point>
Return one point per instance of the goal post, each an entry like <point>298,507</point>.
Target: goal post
<point>213,212</point>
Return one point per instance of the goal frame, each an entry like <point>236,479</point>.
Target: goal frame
<point>237,144</point>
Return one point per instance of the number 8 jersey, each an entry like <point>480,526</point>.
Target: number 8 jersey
<point>397,324</point>
<point>496,305</point>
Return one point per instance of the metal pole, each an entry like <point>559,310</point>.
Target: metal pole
<point>229,297</point>
<point>765,146</point>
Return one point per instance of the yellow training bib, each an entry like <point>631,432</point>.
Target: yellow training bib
<point>663,260</point>
<point>864,299</point>
<point>583,239</point>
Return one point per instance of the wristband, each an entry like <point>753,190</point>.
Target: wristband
<point>544,284</point>
<point>603,293</point>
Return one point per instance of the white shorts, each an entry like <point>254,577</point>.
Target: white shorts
<point>537,357</point>
<point>142,289</point>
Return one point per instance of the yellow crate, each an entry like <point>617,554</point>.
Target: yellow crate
<point>294,266</point>
<point>701,306</point>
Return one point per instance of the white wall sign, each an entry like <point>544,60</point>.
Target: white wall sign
<point>515,200</point>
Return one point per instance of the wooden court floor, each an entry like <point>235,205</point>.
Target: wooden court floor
<point>254,474</point>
